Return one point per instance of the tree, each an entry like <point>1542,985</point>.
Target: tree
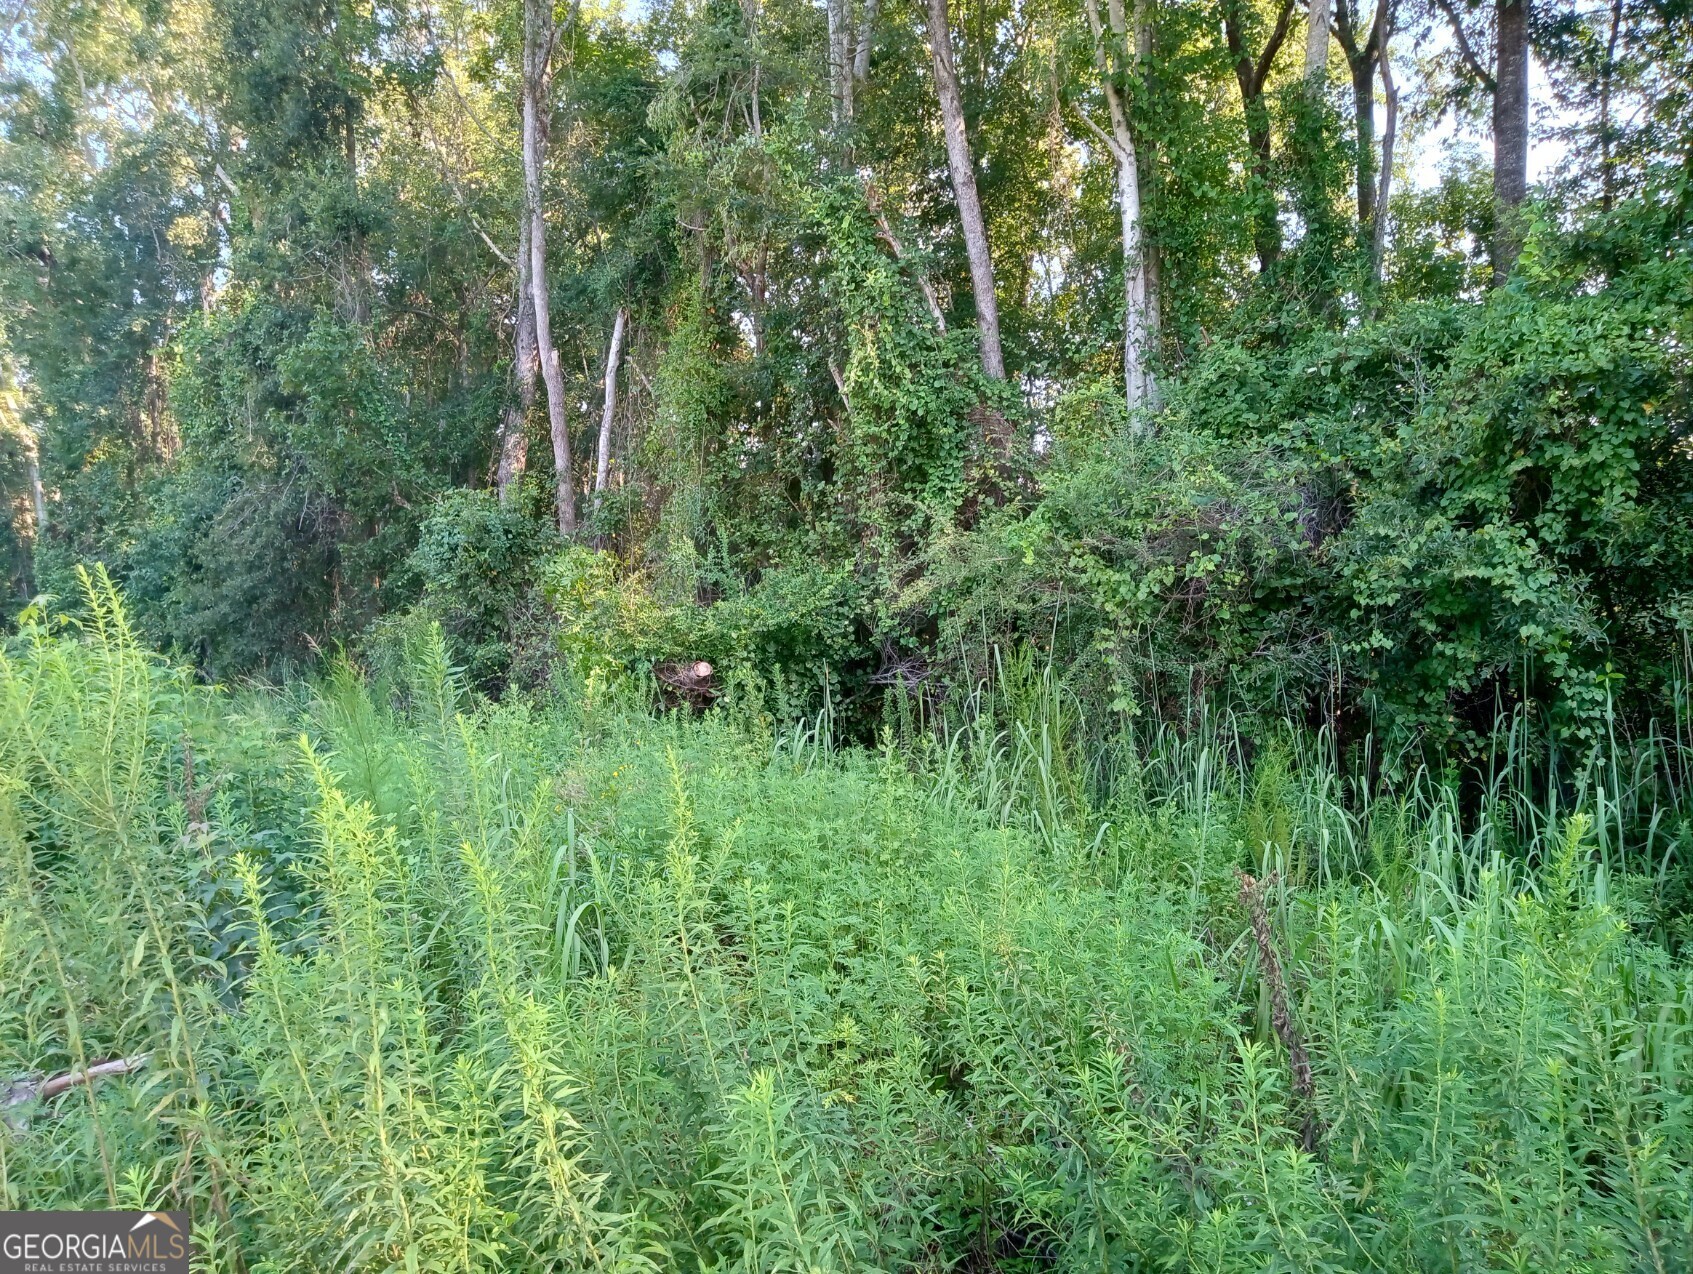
<point>1139,300</point>
<point>526,361</point>
<point>1378,226</point>
<point>602,463</point>
<point>841,69</point>
<point>539,36</point>
<point>347,240</point>
<point>963,173</point>
<point>1252,73</point>
<point>1510,130</point>
<point>1507,87</point>
<point>866,38</point>
<point>1317,48</point>
<point>1363,48</point>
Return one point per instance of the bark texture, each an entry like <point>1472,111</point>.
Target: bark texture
<point>1139,387</point>
<point>1363,48</point>
<point>602,462</point>
<point>840,59</point>
<point>964,190</point>
<point>514,431</point>
<point>37,495</point>
<point>537,83</point>
<point>866,37</point>
<point>1317,46</point>
<point>1378,228</point>
<point>1510,132</point>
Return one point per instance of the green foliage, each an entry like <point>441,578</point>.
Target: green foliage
<point>476,564</point>
<point>1276,849</point>
<point>794,625</point>
<point>548,985</point>
<point>1424,517</point>
<point>263,306</point>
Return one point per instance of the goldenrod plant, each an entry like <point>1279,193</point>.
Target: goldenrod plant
<point>433,983</point>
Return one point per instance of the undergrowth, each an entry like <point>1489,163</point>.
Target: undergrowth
<point>429,983</point>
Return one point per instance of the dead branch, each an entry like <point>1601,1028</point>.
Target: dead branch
<point>1281,1016</point>
<point>18,1092</point>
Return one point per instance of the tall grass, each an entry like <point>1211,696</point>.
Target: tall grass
<point>435,984</point>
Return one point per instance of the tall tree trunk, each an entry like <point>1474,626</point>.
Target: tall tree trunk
<point>1138,385</point>
<point>357,269</point>
<point>514,431</point>
<point>964,190</point>
<point>1364,117</point>
<point>1510,132</point>
<point>1137,354</point>
<point>537,50</point>
<point>1147,151</point>
<point>1317,47</point>
<point>866,38</point>
<point>840,59</point>
<point>37,495</point>
<point>1390,124</point>
<point>750,12</point>
<point>1251,73</point>
<point>602,462</point>
<point>1362,49</point>
<point>38,507</point>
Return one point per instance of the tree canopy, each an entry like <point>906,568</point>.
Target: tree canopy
<point>1220,336</point>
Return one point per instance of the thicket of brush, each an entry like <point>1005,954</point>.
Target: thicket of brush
<point>434,984</point>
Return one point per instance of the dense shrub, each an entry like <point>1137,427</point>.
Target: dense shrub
<point>1451,509</point>
<point>794,625</point>
<point>476,566</point>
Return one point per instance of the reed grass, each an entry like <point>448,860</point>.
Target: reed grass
<point>436,984</point>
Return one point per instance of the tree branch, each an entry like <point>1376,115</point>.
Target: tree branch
<point>1464,50</point>
<point>1274,44</point>
<point>1108,141</point>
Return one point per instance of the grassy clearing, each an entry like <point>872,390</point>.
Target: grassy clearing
<point>555,984</point>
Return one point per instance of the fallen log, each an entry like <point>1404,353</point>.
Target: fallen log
<point>25,1089</point>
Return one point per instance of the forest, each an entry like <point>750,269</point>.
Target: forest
<point>859,635</point>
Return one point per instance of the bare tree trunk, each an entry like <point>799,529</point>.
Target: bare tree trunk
<point>750,13</point>
<point>514,431</point>
<point>1147,151</point>
<point>866,38</point>
<point>602,463</point>
<point>840,59</point>
<point>38,507</point>
<point>37,496</point>
<point>1510,132</point>
<point>964,190</point>
<point>1378,228</point>
<point>356,270</point>
<point>1137,374</point>
<point>1317,47</point>
<point>1362,48</point>
<point>1138,385</point>
<point>537,51</point>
